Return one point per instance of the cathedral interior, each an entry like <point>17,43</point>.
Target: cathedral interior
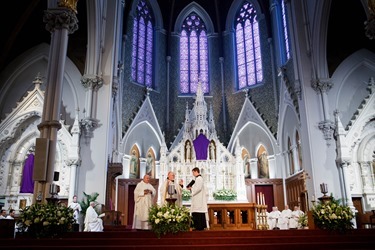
<point>104,92</point>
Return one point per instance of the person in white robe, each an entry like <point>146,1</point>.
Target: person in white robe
<point>144,194</point>
<point>177,190</point>
<point>198,209</point>
<point>286,214</point>
<point>76,209</point>
<point>92,221</point>
<point>293,222</point>
<point>273,218</point>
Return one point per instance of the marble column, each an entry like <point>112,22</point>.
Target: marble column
<point>60,22</point>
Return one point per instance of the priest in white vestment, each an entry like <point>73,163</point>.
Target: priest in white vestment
<point>177,187</point>
<point>286,214</point>
<point>144,194</point>
<point>293,222</point>
<point>92,221</point>
<point>273,218</point>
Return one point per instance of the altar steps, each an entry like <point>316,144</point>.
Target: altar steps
<point>230,239</point>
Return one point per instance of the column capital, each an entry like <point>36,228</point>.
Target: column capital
<point>327,127</point>
<point>92,81</point>
<point>60,18</point>
<point>73,162</point>
<point>321,85</point>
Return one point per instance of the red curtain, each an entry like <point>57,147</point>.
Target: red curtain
<point>267,190</point>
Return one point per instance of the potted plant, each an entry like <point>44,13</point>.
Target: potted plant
<point>169,219</point>
<point>46,220</point>
<point>303,221</point>
<point>332,215</point>
<point>85,202</point>
<point>186,195</point>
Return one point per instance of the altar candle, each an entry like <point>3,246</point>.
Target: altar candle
<point>264,201</point>
<point>257,198</point>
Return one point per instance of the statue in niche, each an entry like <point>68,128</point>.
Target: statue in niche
<point>133,167</point>
<point>149,164</point>
<point>263,171</point>
<point>212,151</point>
<point>188,151</point>
<point>246,167</point>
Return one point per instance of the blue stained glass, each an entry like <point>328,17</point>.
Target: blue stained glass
<point>193,55</point>
<point>142,54</point>
<point>285,29</point>
<point>248,47</point>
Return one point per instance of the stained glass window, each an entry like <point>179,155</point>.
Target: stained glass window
<point>285,31</point>
<point>142,45</point>
<point>193,55</point>
<point>249,59</point>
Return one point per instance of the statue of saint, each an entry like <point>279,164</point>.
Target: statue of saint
<point>212,151</point>
<point>188,151</point>
<point>263,165</point>
<point>149,164</point>
<point>133,165</point>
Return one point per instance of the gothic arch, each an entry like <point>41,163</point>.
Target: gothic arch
<point>236,4</point>
<point>194,7</point>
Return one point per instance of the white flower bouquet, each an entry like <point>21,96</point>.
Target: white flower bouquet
<point>169,219</point>
<point>225,195</point>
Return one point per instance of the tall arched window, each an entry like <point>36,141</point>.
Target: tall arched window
<point>142,56</point>
<point>285,32</point>
<point>193,55</point>
<point>290,157</point>
<point>249,59</point>
<point>299,151</point>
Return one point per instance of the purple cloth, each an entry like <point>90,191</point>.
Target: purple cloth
<point>27,185</point>
<point>200,146</point>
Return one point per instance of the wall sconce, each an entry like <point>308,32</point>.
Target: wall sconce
<point>324,188</point>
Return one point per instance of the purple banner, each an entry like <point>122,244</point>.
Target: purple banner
<point>27,184</point>
<point>201,147</point>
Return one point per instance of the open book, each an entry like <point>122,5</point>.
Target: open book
<point>101,215</point>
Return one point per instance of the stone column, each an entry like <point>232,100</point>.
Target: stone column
<point>327,126</point>
<point>348,194</point>
<point>60,22</point>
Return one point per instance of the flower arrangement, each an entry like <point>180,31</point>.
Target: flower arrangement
<point>332,215</point>
<point>186,195</point>
<point>303,220</point>
<point>225,195</point>
<point>169,219</point>
<point>46,220</point>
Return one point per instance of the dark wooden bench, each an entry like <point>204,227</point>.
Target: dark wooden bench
<point>7,228</point>
<point>366,220</point>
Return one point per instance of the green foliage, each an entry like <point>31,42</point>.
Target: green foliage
<point>46,220</point>
<point>225,195</point>
<point>85,203</point>
<point>186,195</point>
<point>169,219</point>
<point>331,215</point>
<point>303,220</point>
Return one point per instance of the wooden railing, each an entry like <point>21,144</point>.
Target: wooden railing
<point>232,216</point>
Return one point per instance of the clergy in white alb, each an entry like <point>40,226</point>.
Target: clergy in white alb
<point>76,209</point>
<point>177,187</point>
<point>273,218</point>
<point>286,214</point>
<point>144,194</point>
<point>92,221</point>
<point>293,222</point>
